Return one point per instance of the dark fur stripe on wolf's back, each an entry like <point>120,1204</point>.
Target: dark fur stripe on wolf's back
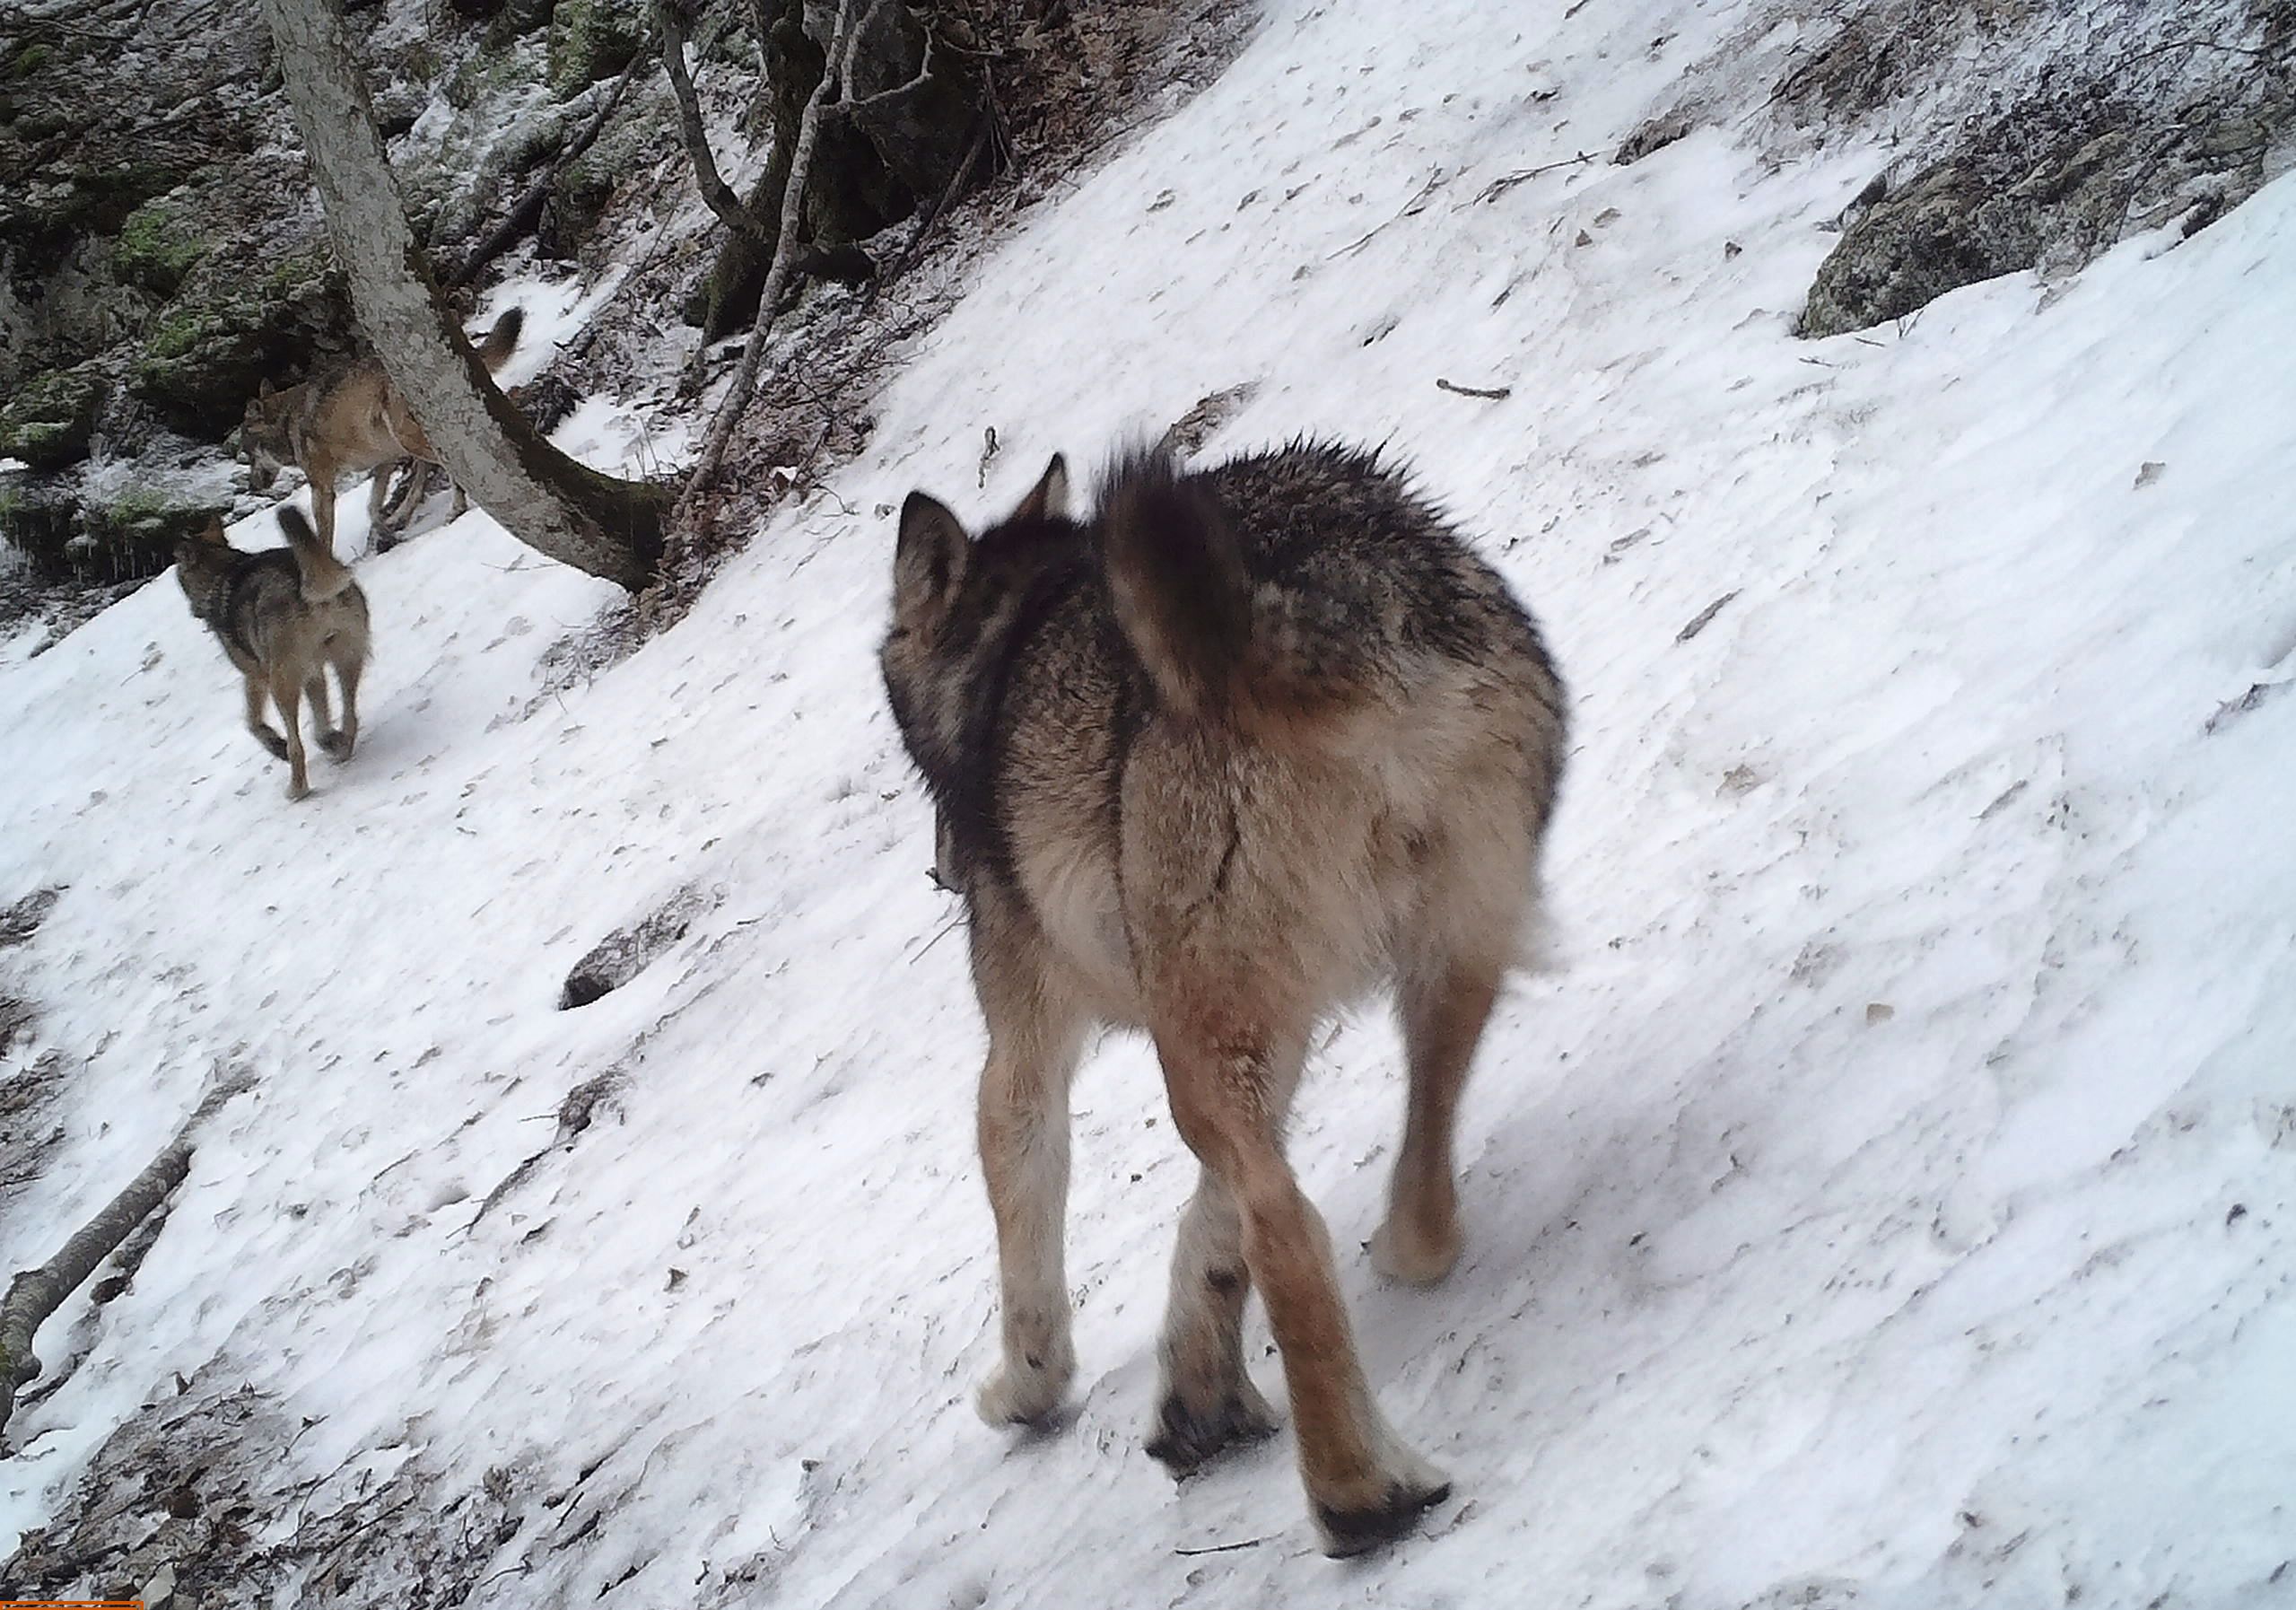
<point>234,613</point>
<point>1345,573</point>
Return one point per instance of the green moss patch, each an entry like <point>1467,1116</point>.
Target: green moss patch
<point>156,248</point>
<point>50,420</point>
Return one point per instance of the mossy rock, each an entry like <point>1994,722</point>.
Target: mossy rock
<point>38,518</point>
<point>578,201</point>
<point>44,218</point>
<point>51,419</point>
<point>490,74</point>
<point>590,39</point>
<point>135,533</point>
<point>205,357</point>
<point>156,249</point>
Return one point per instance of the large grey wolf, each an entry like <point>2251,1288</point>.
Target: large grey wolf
<point>349,423</point>
<point>1212,763</point>
<point>283,616</point>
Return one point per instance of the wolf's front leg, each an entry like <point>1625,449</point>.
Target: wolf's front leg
<point>1024,1129</point>
<point>1035,1036</point>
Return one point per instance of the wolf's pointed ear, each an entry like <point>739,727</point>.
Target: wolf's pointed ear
<point>212,533</point>
<point>930,559</point>
<point>263,386</point>
<point>1048,498</point>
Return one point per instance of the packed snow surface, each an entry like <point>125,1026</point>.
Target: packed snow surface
<point>1891,1197</point>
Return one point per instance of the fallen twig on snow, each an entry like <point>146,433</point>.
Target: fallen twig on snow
<point>1507,181</point>
<point>1221,1548</point>
<point>1412,209</point>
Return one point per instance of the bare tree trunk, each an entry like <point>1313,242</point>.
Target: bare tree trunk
<point>595,522</point>
<point>714,190</point>
<point>905,125</point>
<point>36,1294</point>
<point>528,212</point>
<point>745,379</point>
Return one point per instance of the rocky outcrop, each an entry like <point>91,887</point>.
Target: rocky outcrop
<point>2049,186</point>
<point>49,419</point>
<point>2036,141</point>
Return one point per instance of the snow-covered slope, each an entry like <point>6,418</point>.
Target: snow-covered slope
<point>1891,1200</point>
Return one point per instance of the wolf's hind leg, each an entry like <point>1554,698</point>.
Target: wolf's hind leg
<point>322,717</point>
<point>346,738</point>
<point>1205,1400</point>
<point>1480,882</point>
<point>1035,1034</point>
<point>1229,1087</point>
<point>378,510</point>
<point>256,724</point>
<point>1444,1005</point>
<point>288,695</point>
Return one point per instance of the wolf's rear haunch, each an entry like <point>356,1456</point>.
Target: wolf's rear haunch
<point>1212,763</point>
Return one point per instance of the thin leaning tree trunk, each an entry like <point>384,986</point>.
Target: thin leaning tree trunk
<point>836,72</point>
<point>595,523</point>
<point>714,190</point>
<point>37,1293</point>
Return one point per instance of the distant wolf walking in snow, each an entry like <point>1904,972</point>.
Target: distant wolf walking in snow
<point>284,616</point>
<point>352,422</point>
<point>1243,745</point>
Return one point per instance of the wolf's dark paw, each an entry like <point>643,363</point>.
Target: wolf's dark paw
<point>1184,1438</point>
<point>336,744</point>
<point>270,740</point>
<point>1356,1530</point>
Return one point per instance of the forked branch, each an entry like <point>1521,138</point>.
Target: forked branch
<point>836,73</point>
<point>714,190</point>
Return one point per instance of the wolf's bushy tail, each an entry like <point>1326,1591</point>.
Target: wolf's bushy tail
<point>502,339</point>
<point>324,575</point>
<point>1176,578</point>
<point>1215,641</point>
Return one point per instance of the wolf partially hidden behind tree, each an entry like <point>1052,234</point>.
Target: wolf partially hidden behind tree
<point>1213,762</point>
<point>284,617</point>
<point>351,423</point>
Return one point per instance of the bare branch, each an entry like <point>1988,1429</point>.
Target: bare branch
<point>836,68</point>
<point>714,190</point>
<point>528,213</point>
<point>37,1293</point>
